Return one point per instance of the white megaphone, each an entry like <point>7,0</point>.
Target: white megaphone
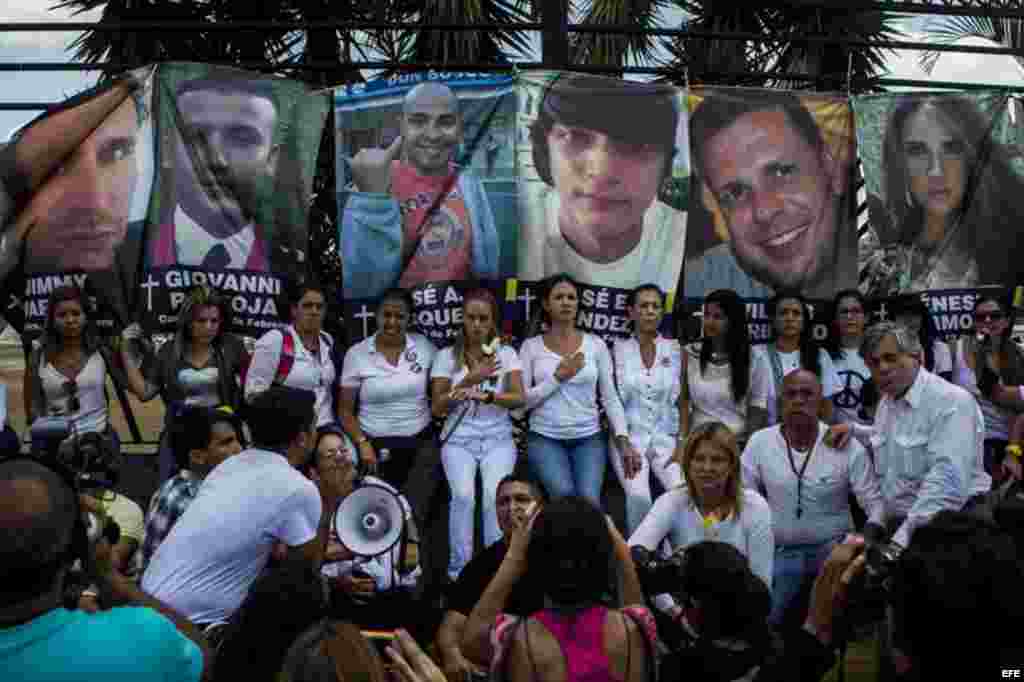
<point>370,520</point>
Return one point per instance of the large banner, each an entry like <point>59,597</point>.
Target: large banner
<point>603,186</point>
<point>945,193</point>
<point>173,176</point>
<point>774,198</point>
<point>426,178</point>
<point>78,181</point>
<point>237,153</point>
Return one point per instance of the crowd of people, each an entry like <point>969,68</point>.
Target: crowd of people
<point>775,490</point>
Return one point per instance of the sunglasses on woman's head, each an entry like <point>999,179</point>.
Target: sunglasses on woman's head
<point>994,316</point>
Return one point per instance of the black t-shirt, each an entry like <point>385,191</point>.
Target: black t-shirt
<point>524,600</point>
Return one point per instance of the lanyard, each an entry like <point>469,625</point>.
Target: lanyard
<point>799,474</point>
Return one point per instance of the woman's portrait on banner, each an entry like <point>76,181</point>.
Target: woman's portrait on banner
<point>944,195</point>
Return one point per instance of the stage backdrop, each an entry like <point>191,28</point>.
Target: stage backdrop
<point>426,177</point>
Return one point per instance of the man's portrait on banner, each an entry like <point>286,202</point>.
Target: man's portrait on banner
<point>603,152</point>
<point>944,198</point>
<point>780,192</point>
<point>218,209</point>
<point>414,212</point>
<point>81,216</point>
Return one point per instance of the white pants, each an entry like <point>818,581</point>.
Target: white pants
<point>638,488</point>
<point>495,458</point>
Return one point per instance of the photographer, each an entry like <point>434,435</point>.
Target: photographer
<point>42,534</point>
<point>958,571</point>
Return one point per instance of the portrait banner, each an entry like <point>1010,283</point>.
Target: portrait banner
<point>237,153</point>
<point>426,193</point>
<point>943,176</point>
<point>75,185</point>
<point>603,190</point>
<point>774,197</point>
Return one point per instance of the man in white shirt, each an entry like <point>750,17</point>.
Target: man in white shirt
<point>807,483</point>
<point>927,437</point>
<point>223,541</point>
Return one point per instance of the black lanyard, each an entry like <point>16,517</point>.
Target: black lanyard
<point>799,474</point>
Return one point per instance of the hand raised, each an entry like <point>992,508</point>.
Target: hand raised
<point>570,366</point>
<point>371,167</point>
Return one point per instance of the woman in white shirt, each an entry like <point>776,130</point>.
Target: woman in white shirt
<point>647,371</point>
<point>475,383</point>
<point>66,375</point>
<point>712,505</point>
<point>300,355</point>
<point>793,346</point>
<point>725,381</point>
<point>565,373</point>
<point>846,332</point>
<point>387,373</point>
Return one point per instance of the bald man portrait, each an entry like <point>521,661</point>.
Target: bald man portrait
<point>415,216</point>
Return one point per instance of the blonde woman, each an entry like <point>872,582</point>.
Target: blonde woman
<point>711,504</point>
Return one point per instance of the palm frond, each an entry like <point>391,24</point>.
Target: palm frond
<point>618,49</point>
<point>948,30</point>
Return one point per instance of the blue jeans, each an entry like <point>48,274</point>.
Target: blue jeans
<point>794,567</point>
<point>574,466</point>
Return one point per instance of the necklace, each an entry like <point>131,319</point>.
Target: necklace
<point>799,474</point>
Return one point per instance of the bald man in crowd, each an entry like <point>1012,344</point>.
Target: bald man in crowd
<point>415,216</point>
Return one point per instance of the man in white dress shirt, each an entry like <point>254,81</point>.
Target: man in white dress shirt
<point>927,436</point>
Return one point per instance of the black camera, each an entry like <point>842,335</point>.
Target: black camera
<point>658,575</point>
<point>869,589</point>
<point>93,458</point>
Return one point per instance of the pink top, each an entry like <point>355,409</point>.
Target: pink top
<point>581,639</point>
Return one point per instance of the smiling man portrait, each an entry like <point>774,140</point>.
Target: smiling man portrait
<point>781,190</point>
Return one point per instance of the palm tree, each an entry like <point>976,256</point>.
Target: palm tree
<point>776,45</point>
<point>1007,32</point>
<point>617,49</point>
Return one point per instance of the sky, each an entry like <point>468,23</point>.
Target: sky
<point>34,86</point>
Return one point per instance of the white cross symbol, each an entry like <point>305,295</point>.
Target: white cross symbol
<point>148,286</point>
<point>526,297</point>
<point>882,312</point>
<point>364,314</point>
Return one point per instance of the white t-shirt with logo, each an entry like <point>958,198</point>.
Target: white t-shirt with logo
<point>481,420</point>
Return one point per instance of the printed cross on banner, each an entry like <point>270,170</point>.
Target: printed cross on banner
<point>526,297</point>
<point>148,286</point>
<point>365,314</point>
<point>882,312</point>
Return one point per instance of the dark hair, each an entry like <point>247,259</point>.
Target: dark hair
<point>301,287</point>
<point>601,103</point>
<point>809,359</point>
<point>32,548</point>
<point>540,316</point>
<point>262,88</point>
<point>280,605</point>
<point>833,342</point>
<point>193,430</point>
<point>716,113</point>
<point>199,297</point>
<point>1011,368</point>
<point>988,217</point>
<point>570,546</point>
<point>928,334</point>
<point>527,479</point>
<point>734,602</point>
<point>52,341</point>
<point>975,566</point>
<point>635,294</point>
<point>333,651</point>
<point>737,341</point>
<point>279,414</point>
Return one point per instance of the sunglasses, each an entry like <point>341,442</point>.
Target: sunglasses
<point>994,316</point>
<point>71,391</point>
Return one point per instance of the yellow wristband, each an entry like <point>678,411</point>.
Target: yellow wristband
<point>1014,450</point>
